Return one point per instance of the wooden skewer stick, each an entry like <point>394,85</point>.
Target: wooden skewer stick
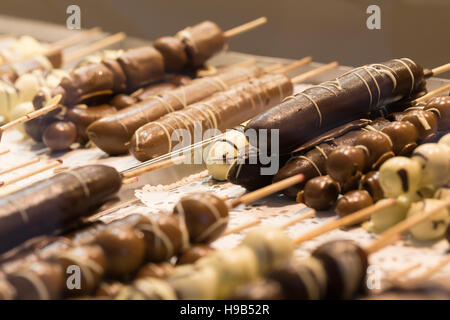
<point>21,165</point>
<point>245,27</point>
<point>351,219</point>
<point>304,76</point>
<point>440,69</point>
<point>112,209</point>
<point>74,39</point>
<point>273,67</point>
<point>263,192</point>
<point>432,93</point>
<point>32,173</point>
<point>391,234</point>
<point>52,105</point>
<point>101,44</point>
<point>311,213</point>
<point>129,181</point>
<point>154,166</point>
<point>241,227</point>
<point>395,276</point>
<point>295,65</point>
<point>432,270</point>
<point>4,151</point>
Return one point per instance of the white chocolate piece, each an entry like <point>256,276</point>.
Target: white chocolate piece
<point>400,175</point>
<point>9,98</point>
<point>234,267</point>
<point>272,246</point>
<point>435,162</point>
<point>432,228</point>
<point>445,140</point>
<point>224,152</point>
<point>390,216</point>
<point>194,283</point>
<point>28,85</point>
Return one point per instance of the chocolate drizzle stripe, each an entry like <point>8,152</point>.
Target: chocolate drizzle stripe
<point>312,163</point>
<point>38,284</point>
<point>410,73</point>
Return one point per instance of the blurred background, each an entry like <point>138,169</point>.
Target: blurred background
<point>326,29</point>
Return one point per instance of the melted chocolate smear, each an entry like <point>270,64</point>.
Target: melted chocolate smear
<point>404,178</point>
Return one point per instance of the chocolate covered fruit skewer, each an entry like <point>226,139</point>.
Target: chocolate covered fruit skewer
<point>124,246</point>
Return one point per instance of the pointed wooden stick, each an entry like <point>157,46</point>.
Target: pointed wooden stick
<point>52,105</point>
<point>273,67</point>
<point>154,166</point>
<point>315,72</point>
<point>432,93</point>
<point>295,65</point>
<point>245,27</point>
<point>4,151</point>
<point>309,214</point>
<point>391,234</point>
<point>263,192</point>
<point>395,276</point>
<point>20,166</point>
<point>32,173</point>
<point>351,219</point>
<point>74,39</point>
<point>101,44</point>
<point>440,69</point>
<point>129,181</point>
<point>112,209</point>
<point>241,227</point>
<point>432,270</point>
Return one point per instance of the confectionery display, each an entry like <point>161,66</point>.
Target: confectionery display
<point>172,169</point>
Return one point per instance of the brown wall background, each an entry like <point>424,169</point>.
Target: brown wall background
<point>327,29</point>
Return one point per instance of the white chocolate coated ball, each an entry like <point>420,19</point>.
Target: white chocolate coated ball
<point>435,226</point>
<point>272,246</point>
<point>223,153</point>
<point>234,267</point>
<point>435,162</point>
<point>194,283</point>
<point>400,175</point>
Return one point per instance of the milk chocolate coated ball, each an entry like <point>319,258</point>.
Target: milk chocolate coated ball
<point>321,192</point>
<point>60,135</point>
<point>193,253</point>
<point>346,162</point>
<point>353,201</point>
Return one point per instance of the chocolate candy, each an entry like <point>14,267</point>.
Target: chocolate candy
<point>202,41</point>
<point>55,203</point>
<point>378,145</point>
<point>272,246</point>
<point>124,248</point>
<point>194,253</point>
<point>265,289</point>
<point>142,66</point>
<point>205,215</point>
<point>301,280</point>
<point>173,51</point>
<point>426,123</point>
<point>321,192</point>
<point>39,281</point>
<point>346,162</point>
<point>155,270</point>
<point>323,107</point>
<point>35,127</point>
<point>82,116</point>
<point>371,183</point>
<point>442,104</point>
<point>403,135</point>
<point>353,201</point>
<point>60,135</point>
<point>7,291</point>
<point>345,264</point>
<point>400,175</point>
<point>90,260</point>
<point>122,101</point>
<point>435,226</point>
<point>435,162</point>
<point>164,237</point>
